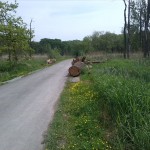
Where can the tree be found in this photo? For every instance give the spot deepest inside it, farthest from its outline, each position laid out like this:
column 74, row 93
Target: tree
column 127, row 33
column 35, row 46
column 125, row 30
column 87, row 44
column 106, row 41
column 30, row 38
column 5, row 23
column 139, row 25
column 13, row 32
column 147, row 16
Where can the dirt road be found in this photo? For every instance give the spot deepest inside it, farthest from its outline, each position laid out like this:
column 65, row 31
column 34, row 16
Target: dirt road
column 27, row 107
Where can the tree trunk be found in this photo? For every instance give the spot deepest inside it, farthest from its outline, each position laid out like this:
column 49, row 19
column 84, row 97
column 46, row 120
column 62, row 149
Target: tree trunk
column 146, row 40
column 30, row 53
column 148, row 18
column 141, row 39
column 125, row 27
column 9, row 55
column 146, row 51
column 129, row 33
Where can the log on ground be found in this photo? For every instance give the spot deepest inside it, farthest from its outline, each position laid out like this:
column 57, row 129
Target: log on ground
column 75, row 70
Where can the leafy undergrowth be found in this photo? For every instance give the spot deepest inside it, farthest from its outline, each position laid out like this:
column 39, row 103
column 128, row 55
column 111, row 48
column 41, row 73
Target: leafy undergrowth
column 108, row 109
column 76, row 123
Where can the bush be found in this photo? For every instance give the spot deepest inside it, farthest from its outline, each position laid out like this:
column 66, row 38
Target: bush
column 54, row 53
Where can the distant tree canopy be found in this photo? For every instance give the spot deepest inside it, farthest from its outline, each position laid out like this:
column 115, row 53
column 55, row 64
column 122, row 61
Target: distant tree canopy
column 107, row 42
column 99, row 41
column 16, row 38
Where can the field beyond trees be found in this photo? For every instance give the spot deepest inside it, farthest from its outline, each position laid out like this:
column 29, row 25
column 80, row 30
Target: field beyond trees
column 107, row 109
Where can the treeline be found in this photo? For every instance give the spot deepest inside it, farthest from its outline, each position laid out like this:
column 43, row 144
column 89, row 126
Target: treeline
column 16, row 38
column 99, row 41
column 135, row 36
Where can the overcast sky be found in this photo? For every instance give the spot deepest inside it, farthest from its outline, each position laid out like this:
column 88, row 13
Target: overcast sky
column 71, row 19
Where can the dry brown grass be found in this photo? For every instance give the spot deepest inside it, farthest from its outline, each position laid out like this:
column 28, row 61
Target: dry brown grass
column 103, row 56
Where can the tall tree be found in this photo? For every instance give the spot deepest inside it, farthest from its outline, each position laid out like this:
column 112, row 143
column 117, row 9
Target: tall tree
column 30, row 38
column 139, row 25
column 6, row 11
column 147, row 16
column 125, row 30
column 129, row 32
column 13, row 31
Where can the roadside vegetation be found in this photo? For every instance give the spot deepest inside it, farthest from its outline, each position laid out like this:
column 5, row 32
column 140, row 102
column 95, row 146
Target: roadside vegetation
column 107, row 109
column 9, row 70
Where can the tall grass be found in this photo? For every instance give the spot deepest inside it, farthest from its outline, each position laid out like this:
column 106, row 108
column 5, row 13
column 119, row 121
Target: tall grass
column 124, row 94
column 9, row 70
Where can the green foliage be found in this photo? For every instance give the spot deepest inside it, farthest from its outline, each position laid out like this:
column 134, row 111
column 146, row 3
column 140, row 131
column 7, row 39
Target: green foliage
column 49, row 47
column 54, row 53
column 14, row 34
column 47, row 44
column 76, row 48
column 36, row 47
column 107, row 42
column 99, row 41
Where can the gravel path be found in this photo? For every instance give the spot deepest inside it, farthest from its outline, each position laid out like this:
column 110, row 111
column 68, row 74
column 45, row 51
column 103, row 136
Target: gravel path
column 27, row 107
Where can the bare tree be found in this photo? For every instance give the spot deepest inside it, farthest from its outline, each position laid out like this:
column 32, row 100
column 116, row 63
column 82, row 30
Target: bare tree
column 147, row 16
column 129, row 33
column 30, row 38
column 140, row 21
column 125, row 30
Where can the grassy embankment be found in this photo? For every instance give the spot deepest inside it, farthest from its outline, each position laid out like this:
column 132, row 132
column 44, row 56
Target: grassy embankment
column 107, row 109
column 9, row 70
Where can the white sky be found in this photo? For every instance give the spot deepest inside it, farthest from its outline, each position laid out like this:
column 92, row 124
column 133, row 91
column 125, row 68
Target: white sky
column 71, row 19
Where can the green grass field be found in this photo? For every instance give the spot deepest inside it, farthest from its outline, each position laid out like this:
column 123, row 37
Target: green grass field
column 108, row 109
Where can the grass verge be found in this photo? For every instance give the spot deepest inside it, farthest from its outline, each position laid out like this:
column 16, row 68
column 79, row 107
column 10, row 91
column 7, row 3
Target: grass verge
column 76, row 123
column 108, row 109
column 9, row 70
